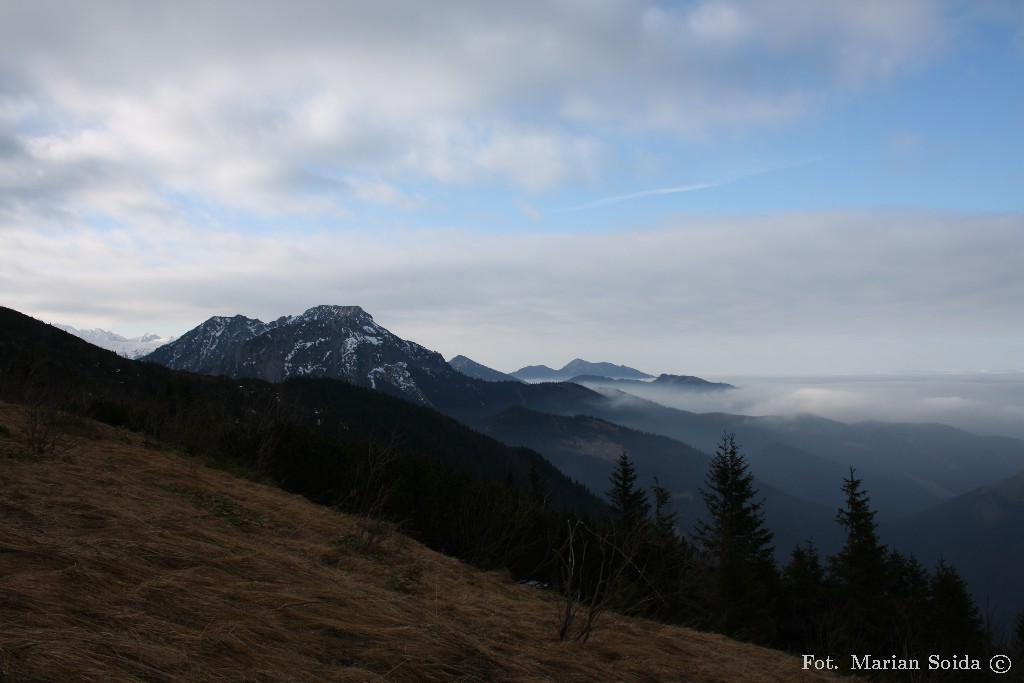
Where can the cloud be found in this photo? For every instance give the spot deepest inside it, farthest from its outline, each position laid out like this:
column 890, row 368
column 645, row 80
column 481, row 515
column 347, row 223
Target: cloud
column 160, row 163
column 791, row 292
column 855, row 43
column 911, row 152
column 985, row 403
column 255, row 107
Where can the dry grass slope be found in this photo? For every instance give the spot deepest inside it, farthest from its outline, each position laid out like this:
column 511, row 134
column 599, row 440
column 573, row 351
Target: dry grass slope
column 121, row 560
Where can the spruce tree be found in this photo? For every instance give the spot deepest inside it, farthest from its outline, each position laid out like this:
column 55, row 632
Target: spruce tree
column 742, row 576
column 1017, row 639
column 667, row 560
column 859, row 572
column 909, row 592
column 615, row 579
column 538, row 489
column 664, row 517
column 802, row 604
column 860, row 565
column 628, row 503
column 953, row 615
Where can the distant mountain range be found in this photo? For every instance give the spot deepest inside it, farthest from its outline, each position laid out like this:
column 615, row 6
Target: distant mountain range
column 575, row 368
column 676, row 382
column 909, row 467
column 129, row 347
column 589, row 374
column 471, row 368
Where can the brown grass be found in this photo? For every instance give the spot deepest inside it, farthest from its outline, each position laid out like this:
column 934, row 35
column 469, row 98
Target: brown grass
column 121, row 560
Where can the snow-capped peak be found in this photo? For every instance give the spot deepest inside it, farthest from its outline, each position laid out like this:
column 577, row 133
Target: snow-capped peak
column 133, row 347
column 340, row 342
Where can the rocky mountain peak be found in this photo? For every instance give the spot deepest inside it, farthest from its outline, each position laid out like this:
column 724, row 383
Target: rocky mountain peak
column 328, row 313
column 338, row 342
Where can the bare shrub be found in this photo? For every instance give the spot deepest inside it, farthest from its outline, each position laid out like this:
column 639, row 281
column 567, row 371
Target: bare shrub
column 372, row 480
column 46, row 429
column 596, row 573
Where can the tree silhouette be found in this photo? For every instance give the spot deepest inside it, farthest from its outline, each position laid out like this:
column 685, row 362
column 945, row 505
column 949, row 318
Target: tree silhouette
column 955, row 618
column 861, row 562
column 628, row 503
column 858, row 571
column 664, row 516
column 803, row 619
column 1017, row 639
column 742, row 577
column 668, row 560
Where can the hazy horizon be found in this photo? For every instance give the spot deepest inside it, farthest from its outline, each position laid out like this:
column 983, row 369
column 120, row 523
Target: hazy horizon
column 982, row 403
column 985, row 403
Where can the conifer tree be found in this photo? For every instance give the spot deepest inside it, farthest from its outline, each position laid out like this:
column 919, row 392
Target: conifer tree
column 628, row 503
column 538, row 489
column 802, row 622
column 1017, row 639
column 668, row 560
column 742, row 576
column 859, row 573
column 953, row 614
column 909, row 592
column 664, row 517
column 860, row 565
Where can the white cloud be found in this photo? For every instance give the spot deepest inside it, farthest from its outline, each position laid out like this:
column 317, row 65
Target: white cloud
column 141, row 143
column 376, row 191
column 793, row 292
column 722, row 23
column 986, row 403
column 233, row 103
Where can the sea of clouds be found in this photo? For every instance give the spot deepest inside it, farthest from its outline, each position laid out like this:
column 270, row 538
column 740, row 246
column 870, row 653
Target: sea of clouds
column 983, row 403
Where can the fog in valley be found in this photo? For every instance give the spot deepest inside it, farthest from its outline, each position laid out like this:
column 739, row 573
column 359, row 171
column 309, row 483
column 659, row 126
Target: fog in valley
column 983, row 403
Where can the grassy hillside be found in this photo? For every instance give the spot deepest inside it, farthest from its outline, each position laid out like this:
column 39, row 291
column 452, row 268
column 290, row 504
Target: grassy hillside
column 123, row 560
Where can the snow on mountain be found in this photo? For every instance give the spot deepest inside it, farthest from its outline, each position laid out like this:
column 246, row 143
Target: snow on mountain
column 206, row 347
column 338, row 342
column 129, row 347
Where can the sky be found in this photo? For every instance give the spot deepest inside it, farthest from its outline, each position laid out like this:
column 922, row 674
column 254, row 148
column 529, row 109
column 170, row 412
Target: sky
column 713, row 187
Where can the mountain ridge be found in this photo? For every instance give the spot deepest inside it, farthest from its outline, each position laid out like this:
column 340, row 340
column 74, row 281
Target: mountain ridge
column 44, row 363
column 575, row 367
column 337, row 342
column 934, row 463
column 471, row 368
column 344, row 343
column 975, row 532
column 664, row 380
column 585, row 448
column 129, row 347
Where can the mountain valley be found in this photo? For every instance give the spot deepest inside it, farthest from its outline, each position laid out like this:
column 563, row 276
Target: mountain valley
column 571, row 434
